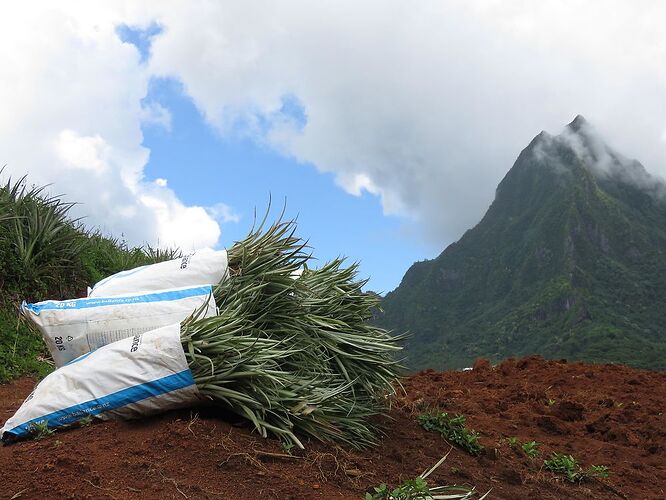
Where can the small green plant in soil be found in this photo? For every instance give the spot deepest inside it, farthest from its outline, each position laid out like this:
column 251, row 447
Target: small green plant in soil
column 40, row 430
column 452, row 428
column 418, row 488
column 569, row 466
column 531, row 448
column 598, row 471
column 512, row 441
column 86, row 421
column 550, row 402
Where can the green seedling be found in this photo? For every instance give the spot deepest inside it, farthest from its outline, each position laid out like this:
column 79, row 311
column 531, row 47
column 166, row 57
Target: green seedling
column 86, row 421
column 550, row 402
column 453, row 429
column 512, row 441
column 40, row 430
column 598, row 471
column 569, row 466
column 531, row 448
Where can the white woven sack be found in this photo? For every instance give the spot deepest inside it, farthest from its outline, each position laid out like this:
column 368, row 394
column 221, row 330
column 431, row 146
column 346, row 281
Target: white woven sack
column 130, row 378
column 202, row 267
column 71, row 328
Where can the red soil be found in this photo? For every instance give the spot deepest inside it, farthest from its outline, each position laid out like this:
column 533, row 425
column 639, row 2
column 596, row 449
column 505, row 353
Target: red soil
column 601, row 414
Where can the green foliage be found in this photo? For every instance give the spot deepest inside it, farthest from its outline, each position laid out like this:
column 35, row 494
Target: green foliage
column 40, row 430
column 453, row 429
column 512, row 441
column 569, row 466
column 412, row 488
column 39, row 244
column 22, row 351
column 45, row 242
column 598, row 471
column 531, row 449
column 564, row 263
column 160, row 254
column 86, row 421
column 417, row 488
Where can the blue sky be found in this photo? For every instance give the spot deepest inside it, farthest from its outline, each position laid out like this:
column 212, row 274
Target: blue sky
column 204, row 168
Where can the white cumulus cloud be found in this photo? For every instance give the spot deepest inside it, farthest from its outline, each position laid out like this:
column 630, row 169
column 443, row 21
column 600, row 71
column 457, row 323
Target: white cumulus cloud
column 86, row 153
column 72, row 115
column 424, row 104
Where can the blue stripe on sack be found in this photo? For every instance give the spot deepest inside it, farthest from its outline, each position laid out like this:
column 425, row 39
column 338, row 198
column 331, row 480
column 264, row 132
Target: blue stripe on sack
column 116, row 301
column 80, row 358
column 113, row 401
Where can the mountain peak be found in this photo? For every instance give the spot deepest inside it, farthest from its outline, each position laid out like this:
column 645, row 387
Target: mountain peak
column 561, row 264
column 578, row 123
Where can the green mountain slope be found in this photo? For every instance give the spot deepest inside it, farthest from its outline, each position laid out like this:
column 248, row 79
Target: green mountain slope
column 569, row 261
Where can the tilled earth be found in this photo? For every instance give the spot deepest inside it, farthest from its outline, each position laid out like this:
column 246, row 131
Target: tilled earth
column 601, row 414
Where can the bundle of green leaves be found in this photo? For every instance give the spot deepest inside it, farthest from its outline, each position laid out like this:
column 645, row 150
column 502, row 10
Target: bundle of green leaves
column 292, row 349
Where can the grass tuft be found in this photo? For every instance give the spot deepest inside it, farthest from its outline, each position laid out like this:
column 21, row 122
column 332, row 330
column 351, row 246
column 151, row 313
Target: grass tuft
column 452, row 428
column 531, row 449
column 418, row 488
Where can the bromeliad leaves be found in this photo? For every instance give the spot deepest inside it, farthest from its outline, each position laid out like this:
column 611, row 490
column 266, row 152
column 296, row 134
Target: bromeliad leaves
column 293, row 355
column 40, row 243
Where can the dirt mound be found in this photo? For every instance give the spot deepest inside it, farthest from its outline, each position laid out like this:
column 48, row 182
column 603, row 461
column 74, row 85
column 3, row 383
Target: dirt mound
column 601, row 414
